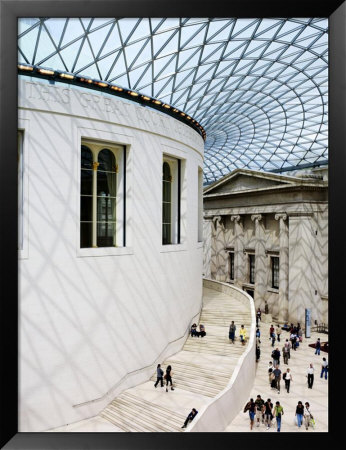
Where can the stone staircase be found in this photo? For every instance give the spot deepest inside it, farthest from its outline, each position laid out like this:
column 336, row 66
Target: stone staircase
column 200, row 371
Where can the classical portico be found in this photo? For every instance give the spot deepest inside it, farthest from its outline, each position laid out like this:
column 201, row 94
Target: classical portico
column 268, row 235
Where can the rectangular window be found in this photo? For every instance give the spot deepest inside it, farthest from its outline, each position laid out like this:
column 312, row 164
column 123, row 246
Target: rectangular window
column 102, row 195
column 171, row 200
column 252, row 269
column 231, row 265
column 275, row 272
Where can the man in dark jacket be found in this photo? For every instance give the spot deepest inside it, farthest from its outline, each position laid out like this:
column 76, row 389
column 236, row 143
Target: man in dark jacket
column 276, row 357
column 190, row 417
column 159, row 375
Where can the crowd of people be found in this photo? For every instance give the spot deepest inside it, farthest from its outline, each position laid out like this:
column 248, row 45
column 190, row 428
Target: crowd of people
column 264, row 411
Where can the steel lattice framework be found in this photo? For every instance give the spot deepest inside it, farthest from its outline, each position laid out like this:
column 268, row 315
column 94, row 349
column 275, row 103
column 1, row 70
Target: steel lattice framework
column 258, row 86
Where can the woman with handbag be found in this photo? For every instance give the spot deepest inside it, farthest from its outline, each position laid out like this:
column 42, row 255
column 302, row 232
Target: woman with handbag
column 168, row 377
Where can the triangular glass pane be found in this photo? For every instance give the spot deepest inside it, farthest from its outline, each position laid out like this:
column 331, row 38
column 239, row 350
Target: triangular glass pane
column 86, row 22
column 135, row 75
column 105, row 64
column 267, row 28
column 187, row 32
column 169, row 23
column 166, row 87
column 69, row 54
column 91, row 72
column 160, row 63
column 73, row 30
column 248, row 27
column 27, row 44
column 188, row 58
column 85, row 57
column 255, row 49
column 119, row 67
column 55, row 63
column 24, row 23
column 142, row 31
column 96, row 38
column 113, row 42
column 235, row 49
column 55, row 28
column 100, row 22
column 132, row 52
column 126, row 27
column 45, row 47
column 215, row 31
column 122, row 81
column 160, row 41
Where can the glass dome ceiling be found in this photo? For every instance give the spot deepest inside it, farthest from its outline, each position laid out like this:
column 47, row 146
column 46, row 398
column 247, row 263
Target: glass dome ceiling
column 259, row 87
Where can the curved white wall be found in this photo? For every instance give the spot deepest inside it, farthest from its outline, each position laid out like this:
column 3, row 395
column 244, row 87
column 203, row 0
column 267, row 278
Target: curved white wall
column 90, row 317
column 222, row 409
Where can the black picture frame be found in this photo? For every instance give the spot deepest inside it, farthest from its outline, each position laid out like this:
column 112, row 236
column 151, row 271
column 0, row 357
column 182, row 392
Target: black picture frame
column 335, row 10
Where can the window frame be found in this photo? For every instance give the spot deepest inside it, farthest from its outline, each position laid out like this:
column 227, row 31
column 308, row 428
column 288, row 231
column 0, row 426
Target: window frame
column 275, row 271
column 119, row 151
column 174, row 164
column 252, row 268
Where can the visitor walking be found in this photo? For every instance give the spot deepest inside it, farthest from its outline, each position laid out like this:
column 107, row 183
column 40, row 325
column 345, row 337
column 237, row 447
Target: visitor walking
column 231, row 333
column 259, row 314
column 293, row 339
column 251, row 407
column 159, row 375
column 242, row 334
column 278, row 332
column 190, row 417
column 259, row 402
column 310, row 375
column 308, row 417
column 168, row 377
column 258, row 353
column 287, row 376
column 273, row 339
column 300, row 414
column 324, row 369
column 285, row 353
column 277, row 375
column 270, row 371
column 318, row 347
column 276, row 357
column 278, row 412
column 268, row 416
column 271, row 331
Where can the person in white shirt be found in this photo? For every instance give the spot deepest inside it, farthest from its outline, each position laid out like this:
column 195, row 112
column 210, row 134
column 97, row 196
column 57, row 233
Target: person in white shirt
column 287, row 376
column 310, row 375
column 308, row 418
column 324, row 368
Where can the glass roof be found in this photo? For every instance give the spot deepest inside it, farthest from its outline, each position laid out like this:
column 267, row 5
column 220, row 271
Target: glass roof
column 259, row 87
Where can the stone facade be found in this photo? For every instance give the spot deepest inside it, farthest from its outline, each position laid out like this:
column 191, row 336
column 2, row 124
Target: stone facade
column 268, row 234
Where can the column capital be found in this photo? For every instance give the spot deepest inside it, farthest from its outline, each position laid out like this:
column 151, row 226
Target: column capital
column 282, row 216
column 256, row 217
column 218, row 219
column 235, row 218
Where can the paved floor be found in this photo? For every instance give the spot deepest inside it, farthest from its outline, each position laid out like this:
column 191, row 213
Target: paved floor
column 298, row 363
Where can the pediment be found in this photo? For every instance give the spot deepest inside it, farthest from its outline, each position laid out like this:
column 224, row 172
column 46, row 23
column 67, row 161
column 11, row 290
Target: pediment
column 239, row 181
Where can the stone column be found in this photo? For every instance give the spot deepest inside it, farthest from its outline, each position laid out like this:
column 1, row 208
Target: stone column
column 239, row 260
column 302, row 262
column 260, row 262
column 218, row 255
column 207, row 246
column 283, row 273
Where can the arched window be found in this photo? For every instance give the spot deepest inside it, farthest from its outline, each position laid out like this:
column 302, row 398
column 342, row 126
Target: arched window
column 106, row 198
column 171, row 173
column 166, row 204
column 101, row 211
